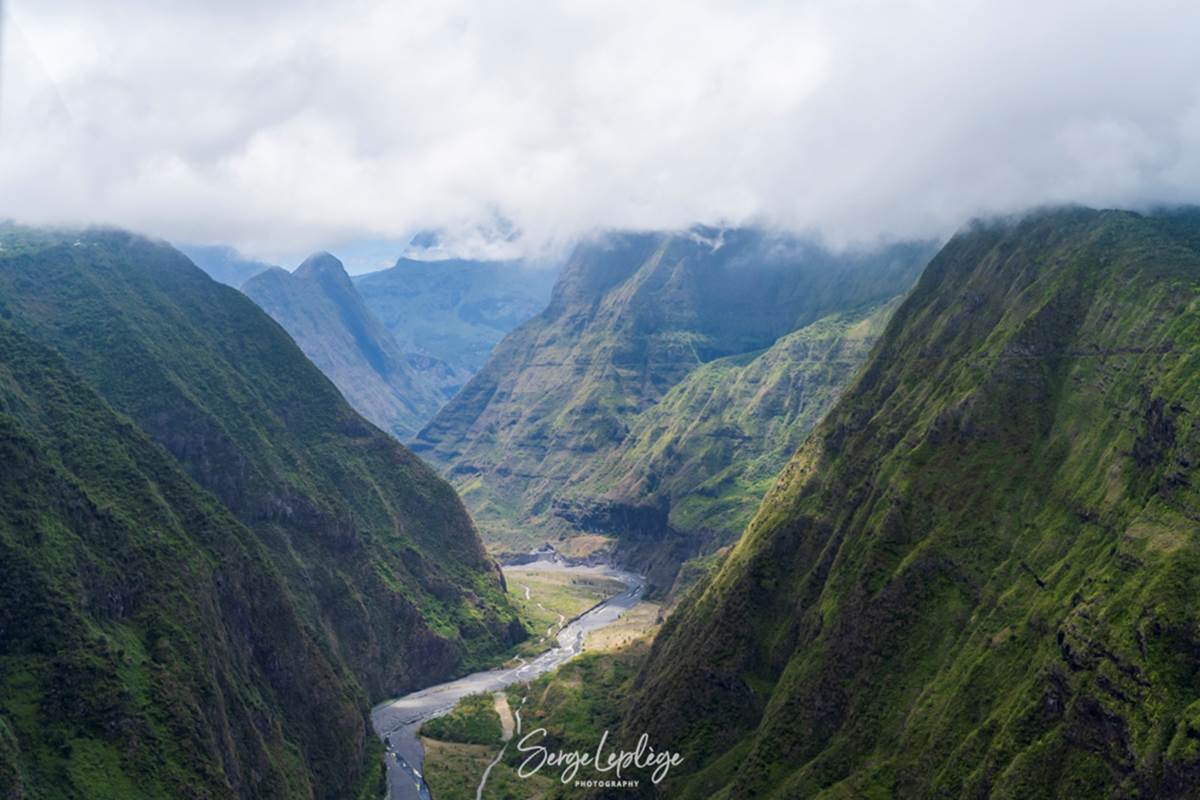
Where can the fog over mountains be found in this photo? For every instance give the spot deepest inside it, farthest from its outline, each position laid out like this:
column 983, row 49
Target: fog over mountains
column 283, row 133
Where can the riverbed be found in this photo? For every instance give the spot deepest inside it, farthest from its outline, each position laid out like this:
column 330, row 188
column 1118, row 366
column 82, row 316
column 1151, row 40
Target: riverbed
column 397, row 721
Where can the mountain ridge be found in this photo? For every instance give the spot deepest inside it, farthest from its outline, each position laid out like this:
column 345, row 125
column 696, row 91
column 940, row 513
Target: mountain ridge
column 631, row 317
column 362, row 547
column 971, row 579
column 320, row 307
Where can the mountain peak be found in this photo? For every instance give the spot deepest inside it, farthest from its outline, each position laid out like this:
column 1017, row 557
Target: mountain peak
column 321, row 263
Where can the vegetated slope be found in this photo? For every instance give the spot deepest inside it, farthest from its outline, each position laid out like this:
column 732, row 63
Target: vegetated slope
column 319, row 306
column 147, row 645
column 632, row 316
column 224, row 264
column 454, row 310
column 379, row 559
column 704, row 456
column 978, row 577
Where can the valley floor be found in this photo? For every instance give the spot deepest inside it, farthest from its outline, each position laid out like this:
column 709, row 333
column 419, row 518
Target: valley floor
column 576, row 605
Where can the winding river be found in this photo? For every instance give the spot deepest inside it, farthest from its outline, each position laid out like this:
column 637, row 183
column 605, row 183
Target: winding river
column 397, row 721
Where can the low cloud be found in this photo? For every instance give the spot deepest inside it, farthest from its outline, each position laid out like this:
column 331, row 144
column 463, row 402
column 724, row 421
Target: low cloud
column 295, row 126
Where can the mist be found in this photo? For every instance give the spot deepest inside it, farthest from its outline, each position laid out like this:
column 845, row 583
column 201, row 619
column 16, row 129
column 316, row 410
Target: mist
column 513, row 129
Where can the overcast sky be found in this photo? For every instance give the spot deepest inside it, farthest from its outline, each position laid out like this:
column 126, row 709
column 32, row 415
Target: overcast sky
column 294, row 126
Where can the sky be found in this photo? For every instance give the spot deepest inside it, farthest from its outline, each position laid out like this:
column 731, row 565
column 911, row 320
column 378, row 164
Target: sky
column 514, row 127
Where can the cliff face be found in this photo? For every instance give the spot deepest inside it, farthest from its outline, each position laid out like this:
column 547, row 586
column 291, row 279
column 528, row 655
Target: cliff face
column 973, row 578
column 359, row 573
column 556, row 416
column 320, row 308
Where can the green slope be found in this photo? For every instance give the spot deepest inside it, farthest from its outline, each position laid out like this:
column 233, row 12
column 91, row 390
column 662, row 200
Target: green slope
column 319, row 306
column 558, row 404
column 143, row 632
column 978, row 577
column 377, row 559
column 705, row 455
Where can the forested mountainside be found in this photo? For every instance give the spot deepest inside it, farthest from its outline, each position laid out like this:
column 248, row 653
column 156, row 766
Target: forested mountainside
column 978, row 577
column 231, row 562
column 569, row 394
column 455, row 310
column 319, row 306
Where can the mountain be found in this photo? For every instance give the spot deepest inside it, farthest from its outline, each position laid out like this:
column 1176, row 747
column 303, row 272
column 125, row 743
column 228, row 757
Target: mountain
column 224, row 264
column 977, row 576
column 700, row 460
column 566, row 398
column 229, row 564
column 454, row 310
column 319, row 306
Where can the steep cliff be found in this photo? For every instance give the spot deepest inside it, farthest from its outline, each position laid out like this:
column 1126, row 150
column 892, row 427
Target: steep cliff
column 366, row 575
column 977, row 577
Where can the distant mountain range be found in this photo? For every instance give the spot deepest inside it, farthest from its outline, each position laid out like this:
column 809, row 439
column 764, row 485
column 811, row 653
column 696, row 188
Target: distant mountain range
column 321, row 309
column 455, row 310
column 398, row 343
column 224, row 264
column 667, row 380
column 210, row 565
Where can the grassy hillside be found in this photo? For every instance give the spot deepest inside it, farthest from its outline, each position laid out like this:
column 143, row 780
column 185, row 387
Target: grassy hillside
column 143, row 631
column 978, row 576
column 373, row 554
column 319, row 306
column 566, row 399
column 707, row 453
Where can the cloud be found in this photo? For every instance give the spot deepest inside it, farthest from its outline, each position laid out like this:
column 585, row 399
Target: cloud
column 282, row 127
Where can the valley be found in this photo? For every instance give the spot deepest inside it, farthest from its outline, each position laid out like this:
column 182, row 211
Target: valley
column 799, row 558
column 646, row 410
column 597, row 596
column 207, row 553
column 599, row 401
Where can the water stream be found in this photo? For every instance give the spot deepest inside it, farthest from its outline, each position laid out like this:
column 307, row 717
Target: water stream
column 397, row 721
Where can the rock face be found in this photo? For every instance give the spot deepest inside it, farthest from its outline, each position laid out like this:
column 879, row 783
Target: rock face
column 319, row 306
column 454, row 310
column 626, row 389
column 211, row 564
column 975, row 577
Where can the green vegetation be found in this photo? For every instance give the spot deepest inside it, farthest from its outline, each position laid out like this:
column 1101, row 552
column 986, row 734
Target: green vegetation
column 209, row 564
column 979, row 575
column 453, row 772
column 624, row 408
column 555, row 596
column 575, row 704
column 711, row 448
column 473, row 721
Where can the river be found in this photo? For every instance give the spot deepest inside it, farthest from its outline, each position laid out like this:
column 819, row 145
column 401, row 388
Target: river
column 397, row 721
